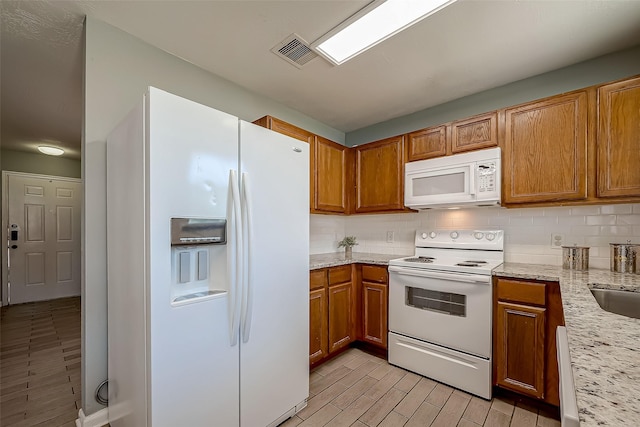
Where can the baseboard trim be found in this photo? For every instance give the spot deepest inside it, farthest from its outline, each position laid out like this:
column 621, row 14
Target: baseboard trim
column 97, row 419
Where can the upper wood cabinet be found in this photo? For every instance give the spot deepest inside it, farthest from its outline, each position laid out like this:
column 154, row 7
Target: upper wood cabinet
column 329, row 167
column 619, row 139
column 285, row 128
column 474, row 133
column 330, row 176
column 427, row 143
column 379, row 176
column 545, row 150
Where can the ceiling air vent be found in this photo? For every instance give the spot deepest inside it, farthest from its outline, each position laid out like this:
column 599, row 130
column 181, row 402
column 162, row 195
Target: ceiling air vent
column 294, row 50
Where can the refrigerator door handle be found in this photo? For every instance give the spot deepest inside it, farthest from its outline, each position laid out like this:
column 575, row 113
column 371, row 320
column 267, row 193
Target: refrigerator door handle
column 235, row 258
column 247, row 291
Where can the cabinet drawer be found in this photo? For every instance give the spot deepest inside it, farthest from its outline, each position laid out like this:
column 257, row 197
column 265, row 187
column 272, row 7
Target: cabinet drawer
column 317, row 278
column 522, row 292
column 339, row 274
column 371, row 273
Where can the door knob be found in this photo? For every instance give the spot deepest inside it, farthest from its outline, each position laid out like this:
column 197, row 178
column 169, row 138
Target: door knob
column 14, row 246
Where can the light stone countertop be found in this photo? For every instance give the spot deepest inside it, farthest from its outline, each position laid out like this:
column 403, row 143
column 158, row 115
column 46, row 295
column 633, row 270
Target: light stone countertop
column 338, row 258
column 604, row 347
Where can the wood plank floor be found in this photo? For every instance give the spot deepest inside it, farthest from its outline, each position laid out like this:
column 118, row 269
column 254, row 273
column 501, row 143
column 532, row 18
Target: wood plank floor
column 357, row 389
column 40, row 383
column 40, row 363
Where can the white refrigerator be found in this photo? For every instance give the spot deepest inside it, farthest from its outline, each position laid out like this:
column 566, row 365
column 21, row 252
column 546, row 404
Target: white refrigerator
column 208, row 254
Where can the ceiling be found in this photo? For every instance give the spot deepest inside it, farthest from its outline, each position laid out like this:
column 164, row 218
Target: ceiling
column 468, row 47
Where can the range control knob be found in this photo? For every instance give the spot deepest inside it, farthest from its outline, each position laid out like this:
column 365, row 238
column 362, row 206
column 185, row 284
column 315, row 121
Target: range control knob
column 423, row 235
column 454, row 234
column 478, row 235
column 433, row 234
column 491, row 236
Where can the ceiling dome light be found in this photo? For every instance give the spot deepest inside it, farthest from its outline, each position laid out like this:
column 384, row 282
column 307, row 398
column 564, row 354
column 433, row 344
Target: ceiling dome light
column 51, row 151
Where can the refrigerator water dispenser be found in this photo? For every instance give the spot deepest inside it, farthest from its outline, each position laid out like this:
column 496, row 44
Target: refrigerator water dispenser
column 197, row 250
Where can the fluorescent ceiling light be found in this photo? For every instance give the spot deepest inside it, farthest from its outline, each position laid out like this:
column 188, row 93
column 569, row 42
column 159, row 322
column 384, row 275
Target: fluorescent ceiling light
column 52, row 151
column 372, row 25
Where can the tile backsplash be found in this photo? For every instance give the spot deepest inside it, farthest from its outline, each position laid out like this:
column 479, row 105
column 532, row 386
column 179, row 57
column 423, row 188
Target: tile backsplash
column 528, row 231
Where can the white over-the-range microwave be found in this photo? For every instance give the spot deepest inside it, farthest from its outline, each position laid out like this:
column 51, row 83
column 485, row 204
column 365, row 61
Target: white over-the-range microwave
column 462, row 180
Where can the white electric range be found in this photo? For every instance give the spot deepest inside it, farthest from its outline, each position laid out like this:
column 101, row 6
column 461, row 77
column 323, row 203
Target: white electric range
column 440, row 307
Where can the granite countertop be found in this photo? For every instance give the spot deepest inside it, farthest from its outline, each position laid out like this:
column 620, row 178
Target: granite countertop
column 338, row 258
column 604, row 347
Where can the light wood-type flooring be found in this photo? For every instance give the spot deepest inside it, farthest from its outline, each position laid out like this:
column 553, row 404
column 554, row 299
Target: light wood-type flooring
column 357, row 389
column 40, row 383
column 40, row 363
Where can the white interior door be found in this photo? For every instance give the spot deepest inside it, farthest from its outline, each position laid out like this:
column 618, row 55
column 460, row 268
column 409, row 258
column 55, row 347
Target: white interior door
column 43, row 224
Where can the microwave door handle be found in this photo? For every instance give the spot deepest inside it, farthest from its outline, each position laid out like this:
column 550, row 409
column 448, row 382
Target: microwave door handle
column 472, row 179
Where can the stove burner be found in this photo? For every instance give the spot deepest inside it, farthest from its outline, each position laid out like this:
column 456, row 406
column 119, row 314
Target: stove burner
column 476, row 262
column 423, row 259
column 468, row 264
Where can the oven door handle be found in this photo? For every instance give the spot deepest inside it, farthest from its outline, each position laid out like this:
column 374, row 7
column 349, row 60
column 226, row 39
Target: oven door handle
column 485, row 280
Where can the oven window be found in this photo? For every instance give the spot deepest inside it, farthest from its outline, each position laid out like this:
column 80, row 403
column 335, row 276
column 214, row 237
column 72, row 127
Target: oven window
column 440, row 302
column 451, row 183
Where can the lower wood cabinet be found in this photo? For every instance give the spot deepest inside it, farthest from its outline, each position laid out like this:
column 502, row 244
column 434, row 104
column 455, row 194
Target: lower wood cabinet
column 375, row 305
column 520, row 340
column 526, row 316
column 341, row 328
column 318, row 327
column 347, row 303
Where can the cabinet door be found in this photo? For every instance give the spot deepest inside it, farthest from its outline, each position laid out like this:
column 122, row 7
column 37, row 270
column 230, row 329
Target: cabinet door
column 374, row 307
column 285, row 128
column 427, row 143
column 618, row 139
column 340, row 316
column 545, row 145
column 380, row 176
column 329, row 161
column 474, row 133
column 519, row 352
column 318, row 341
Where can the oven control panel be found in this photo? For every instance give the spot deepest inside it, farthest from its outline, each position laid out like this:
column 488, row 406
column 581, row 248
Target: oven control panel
column 471, row 239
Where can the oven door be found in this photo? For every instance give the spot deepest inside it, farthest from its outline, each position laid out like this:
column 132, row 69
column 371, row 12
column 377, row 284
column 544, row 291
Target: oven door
column 448, row 309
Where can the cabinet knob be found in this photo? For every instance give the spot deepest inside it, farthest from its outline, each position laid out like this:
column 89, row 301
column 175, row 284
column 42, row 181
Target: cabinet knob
column 454, row 234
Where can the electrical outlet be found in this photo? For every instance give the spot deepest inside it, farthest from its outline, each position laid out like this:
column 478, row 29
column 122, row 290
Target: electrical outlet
column 390, row 236
column 557, row 240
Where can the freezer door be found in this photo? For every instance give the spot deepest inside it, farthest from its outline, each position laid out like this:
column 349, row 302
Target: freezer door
column 194, row 378
column 274, row 373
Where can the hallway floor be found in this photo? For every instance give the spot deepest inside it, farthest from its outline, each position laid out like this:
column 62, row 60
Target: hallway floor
column 40, row 363
column 357, row 389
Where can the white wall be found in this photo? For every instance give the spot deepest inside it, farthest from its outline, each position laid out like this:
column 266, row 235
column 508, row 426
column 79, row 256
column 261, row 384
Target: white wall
column 118, row 70
column 527, row 231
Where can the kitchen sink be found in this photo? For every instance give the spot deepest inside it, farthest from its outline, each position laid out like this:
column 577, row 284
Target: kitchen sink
column 625, row 303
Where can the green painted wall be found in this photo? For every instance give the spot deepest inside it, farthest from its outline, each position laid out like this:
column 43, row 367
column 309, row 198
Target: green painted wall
column 20, row 161
column 118, row 70
column 599, row 70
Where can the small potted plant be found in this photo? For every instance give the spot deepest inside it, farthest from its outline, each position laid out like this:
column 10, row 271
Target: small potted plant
column 348, row 243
